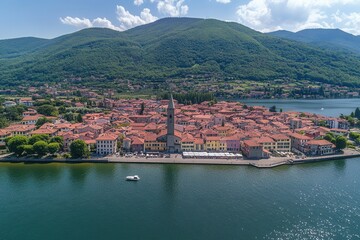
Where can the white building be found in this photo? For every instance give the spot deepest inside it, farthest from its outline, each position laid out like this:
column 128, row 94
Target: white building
column 9, row 104
column 106, row 144
column 28, row 102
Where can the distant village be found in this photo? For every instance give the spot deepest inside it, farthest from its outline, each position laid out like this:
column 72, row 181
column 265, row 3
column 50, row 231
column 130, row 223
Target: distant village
column 155, row 127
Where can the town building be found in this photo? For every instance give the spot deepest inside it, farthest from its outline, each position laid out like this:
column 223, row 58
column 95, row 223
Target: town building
column 106, row 144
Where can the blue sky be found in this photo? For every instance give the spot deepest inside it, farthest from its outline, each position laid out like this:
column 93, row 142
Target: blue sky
column 51, row 18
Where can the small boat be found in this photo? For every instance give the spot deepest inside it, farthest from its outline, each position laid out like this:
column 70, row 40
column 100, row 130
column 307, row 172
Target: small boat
column 322, row 109
column 132, row 178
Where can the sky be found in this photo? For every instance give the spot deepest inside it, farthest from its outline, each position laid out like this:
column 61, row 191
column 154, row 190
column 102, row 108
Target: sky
column 52, row 18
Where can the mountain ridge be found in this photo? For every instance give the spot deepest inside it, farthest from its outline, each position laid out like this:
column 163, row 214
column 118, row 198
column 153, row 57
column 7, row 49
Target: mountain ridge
column 328, row 38
column 176, row 48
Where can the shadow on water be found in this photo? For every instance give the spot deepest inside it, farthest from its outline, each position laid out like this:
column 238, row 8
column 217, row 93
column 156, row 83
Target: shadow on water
column 19, row 173
column 79, row 172
column 170, row 178
column 105, row 169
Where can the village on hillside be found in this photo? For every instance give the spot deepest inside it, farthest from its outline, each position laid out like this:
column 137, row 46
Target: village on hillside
column 207, row 130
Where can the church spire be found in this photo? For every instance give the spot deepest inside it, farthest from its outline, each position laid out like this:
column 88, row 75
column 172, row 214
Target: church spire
column 171, row 102
column 170, row 135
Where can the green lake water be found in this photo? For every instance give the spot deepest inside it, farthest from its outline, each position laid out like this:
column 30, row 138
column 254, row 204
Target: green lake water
column 92, row 201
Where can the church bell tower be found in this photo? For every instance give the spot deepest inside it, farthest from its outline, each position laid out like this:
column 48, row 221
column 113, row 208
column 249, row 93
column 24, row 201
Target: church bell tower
column 170, row 135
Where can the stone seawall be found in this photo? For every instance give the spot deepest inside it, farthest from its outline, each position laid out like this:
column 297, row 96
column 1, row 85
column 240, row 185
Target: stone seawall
column 177, row 159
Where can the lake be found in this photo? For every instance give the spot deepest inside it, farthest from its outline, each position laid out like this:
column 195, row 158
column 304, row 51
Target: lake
column 326, row 107
column 93, row 201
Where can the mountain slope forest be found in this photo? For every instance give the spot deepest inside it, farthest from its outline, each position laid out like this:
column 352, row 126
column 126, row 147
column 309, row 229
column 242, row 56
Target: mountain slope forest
column 173, row 48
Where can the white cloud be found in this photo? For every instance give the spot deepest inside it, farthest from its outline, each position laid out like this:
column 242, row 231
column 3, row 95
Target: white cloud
column 294, row 15
column 173, row 8
column 349, row 22
column 138, row 2
column 223, row 1
column 77, row 22
column 86, row 23
column 128, row 20
column 103, row 22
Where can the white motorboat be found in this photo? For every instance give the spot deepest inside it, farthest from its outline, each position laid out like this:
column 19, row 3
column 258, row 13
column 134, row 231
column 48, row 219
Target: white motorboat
column 132, row 178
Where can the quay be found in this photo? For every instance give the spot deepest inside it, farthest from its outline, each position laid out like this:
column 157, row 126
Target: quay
column 177, row 159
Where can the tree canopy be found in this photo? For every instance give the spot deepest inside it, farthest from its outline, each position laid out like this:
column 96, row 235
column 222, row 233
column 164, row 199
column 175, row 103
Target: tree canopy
column 15, row 142
column 79, row 149
column 40, row 148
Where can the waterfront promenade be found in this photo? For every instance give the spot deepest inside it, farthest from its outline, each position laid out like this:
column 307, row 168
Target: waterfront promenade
column 177, row 159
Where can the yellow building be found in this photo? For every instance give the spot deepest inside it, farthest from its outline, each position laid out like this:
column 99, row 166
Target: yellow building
column 187, row 144
column 267, row 143
column 212, row 143
column 283, row 142
column 154, row 146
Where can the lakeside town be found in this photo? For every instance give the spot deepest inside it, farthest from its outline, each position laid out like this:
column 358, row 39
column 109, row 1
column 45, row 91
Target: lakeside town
column 157, row 128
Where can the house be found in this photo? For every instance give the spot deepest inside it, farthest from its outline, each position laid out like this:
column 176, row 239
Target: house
column 28, row 102
column 51, row 132
column 319, row 148
column 267, row 143
column 252, row 149
column 20, row 129
column 232, row 143
column 3, row 135
column 187, row 143
column 152, row 144
column 298, row 141
column 106, row 143
column 199, row 144
column 137, row 144
column 31, row 119
column 212, row 143
column 283, row 142
column 9, row 104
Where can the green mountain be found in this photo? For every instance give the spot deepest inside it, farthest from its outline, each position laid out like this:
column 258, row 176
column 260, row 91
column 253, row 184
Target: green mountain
column 173, row 48
column 15, row 47
column 329, row 38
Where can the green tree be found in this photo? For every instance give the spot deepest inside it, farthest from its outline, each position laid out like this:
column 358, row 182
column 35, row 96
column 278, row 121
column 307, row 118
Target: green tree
column 38, row 137
column 15, row 142
column 69, row 116
column 330, row 137
column 53, row 148
column 79, row 118
column 62, row 109
column 40, row 148
column 341, row 142
column 59, row 140
column 28, row 149
column 357, row 113
column 3, row 122
column 48, row 110
column 14, row 113
column 142, row 108
column 272, row 109
column 41, row 121
column 79, row 149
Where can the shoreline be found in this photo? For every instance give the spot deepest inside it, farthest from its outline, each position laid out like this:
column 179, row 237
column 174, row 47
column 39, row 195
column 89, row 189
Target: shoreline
column 175, row 159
